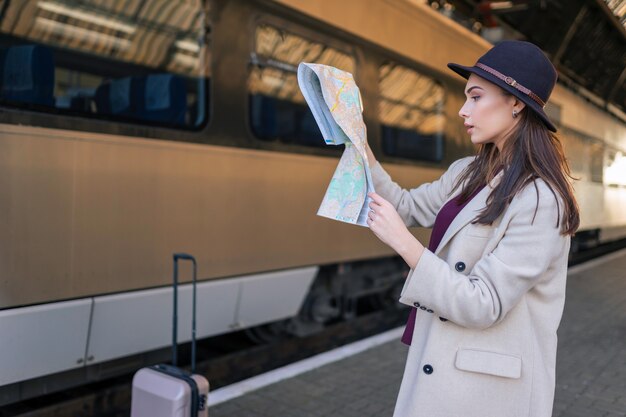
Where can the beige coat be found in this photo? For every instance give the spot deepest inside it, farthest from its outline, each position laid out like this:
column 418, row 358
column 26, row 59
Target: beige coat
column 501, row 289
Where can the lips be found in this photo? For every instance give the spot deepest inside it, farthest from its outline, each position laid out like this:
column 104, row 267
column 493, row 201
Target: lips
column 470, row 128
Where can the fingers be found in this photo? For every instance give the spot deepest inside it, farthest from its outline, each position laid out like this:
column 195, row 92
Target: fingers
column 378, row 199
column 373, row 222
column 377, row 202
column 377, row 205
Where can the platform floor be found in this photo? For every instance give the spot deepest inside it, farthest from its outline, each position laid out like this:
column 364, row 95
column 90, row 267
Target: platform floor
column 591, row 363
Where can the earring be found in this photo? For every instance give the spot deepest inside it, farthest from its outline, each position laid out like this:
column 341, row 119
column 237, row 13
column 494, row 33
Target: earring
column 514, row 114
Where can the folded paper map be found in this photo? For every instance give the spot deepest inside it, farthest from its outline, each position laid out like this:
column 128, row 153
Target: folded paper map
column 335, row 101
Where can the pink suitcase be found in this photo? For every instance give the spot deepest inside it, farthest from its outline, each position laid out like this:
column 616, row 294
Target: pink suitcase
column 166, row 390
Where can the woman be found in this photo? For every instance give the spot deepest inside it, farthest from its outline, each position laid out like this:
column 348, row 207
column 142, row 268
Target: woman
column 488, row 293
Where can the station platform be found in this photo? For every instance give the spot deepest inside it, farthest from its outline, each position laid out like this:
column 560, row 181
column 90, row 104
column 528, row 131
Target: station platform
column 591, row 363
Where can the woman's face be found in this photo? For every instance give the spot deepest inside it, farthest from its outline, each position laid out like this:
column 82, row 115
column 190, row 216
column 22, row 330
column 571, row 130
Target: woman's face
column 488, row 112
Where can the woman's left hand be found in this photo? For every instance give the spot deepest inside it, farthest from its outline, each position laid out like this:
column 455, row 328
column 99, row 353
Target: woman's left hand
column 385, row 222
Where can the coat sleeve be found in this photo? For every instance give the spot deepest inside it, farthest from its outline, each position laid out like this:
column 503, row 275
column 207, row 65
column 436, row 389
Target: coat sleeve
column 530, row 246
column 418, row 206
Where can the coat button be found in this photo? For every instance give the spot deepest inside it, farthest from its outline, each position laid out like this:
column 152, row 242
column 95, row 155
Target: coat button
column 416, row 304
column 460, row 266
column 443, row 319
column 429, row 311
column 428, row 369
column 422, row 308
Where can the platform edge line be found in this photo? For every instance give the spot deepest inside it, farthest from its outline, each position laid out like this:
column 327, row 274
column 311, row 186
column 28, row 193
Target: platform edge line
column 254, row 383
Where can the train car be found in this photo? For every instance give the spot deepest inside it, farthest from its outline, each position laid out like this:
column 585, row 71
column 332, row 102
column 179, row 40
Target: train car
column 130, row 130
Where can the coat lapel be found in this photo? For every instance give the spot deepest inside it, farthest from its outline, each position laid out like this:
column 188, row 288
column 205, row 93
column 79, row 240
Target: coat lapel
column 469, row 212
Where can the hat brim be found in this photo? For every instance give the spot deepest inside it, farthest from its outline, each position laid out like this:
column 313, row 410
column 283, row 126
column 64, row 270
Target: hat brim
column 465, row 72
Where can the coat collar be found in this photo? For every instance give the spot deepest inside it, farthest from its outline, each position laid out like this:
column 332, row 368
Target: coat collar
column 469, row 212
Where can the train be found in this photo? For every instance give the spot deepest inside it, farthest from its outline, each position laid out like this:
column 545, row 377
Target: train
column 131, row 130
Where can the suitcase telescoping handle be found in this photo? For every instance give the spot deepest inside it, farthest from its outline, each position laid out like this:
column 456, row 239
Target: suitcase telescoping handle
column 187, row 257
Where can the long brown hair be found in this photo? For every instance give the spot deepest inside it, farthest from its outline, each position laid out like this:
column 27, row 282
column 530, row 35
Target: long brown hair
column 529, row 153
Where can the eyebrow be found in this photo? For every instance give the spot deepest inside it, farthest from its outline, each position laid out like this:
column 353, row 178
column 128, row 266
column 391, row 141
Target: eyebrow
column 469, row 90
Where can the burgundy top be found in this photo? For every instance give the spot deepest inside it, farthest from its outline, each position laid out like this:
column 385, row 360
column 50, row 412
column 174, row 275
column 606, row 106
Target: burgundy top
column 445, row 216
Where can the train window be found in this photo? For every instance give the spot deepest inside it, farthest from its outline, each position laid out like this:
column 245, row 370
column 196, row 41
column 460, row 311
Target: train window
column 597, row 162
column 135, row 61
column 577, row 150
column 411, row 114
column 615, row 170
column 277, row 108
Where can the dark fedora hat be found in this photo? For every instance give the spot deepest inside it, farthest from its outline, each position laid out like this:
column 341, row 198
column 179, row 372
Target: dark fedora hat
column 521, row 69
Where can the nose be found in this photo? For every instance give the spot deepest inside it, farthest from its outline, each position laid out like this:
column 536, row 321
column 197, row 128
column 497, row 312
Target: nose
column 463, row 112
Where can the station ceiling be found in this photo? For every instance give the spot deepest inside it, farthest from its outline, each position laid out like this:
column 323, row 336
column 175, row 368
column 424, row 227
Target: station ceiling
column 586, row 39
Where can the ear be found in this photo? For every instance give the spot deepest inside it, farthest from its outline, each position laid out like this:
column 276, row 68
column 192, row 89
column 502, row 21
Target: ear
column 518, row 105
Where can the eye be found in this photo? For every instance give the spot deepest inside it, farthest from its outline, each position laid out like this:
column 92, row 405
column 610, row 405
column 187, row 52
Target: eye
column 474, row 98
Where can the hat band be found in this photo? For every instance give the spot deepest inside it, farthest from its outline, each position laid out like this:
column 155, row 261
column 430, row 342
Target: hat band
column 510, row 81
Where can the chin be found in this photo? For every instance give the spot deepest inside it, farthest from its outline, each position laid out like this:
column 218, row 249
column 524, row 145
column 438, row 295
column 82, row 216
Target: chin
column 481, row 139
